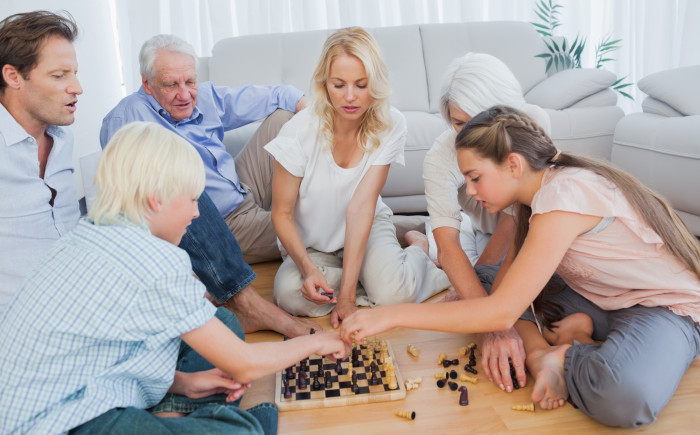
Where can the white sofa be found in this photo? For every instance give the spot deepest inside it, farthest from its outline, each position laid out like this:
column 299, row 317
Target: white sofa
column 661, row 145
column 580, row 102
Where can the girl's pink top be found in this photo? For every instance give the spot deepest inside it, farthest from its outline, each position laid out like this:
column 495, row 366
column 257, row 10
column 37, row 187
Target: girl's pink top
column 624, row 264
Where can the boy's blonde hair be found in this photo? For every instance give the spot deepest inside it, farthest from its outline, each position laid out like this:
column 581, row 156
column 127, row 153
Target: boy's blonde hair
column 142, row 160
column 354, row 41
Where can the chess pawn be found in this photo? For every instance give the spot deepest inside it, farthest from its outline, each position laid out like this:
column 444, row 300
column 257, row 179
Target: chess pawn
column 441, row 358
column 441, row 375
column 466, row 378
column 408, row 415
column 412, row 350
column 524, row 407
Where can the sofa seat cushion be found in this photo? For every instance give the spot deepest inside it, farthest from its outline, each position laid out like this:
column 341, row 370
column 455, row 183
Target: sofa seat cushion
column 662, row 153
column 679, row 88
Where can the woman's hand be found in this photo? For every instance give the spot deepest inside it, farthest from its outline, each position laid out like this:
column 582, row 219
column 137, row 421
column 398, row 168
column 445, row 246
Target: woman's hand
column 207, row 383
column 497, row 348
column 313, row 282
column 343, row 309
column 366, row 323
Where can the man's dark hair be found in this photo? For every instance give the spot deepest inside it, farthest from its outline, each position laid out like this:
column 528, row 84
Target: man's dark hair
column 22, row 35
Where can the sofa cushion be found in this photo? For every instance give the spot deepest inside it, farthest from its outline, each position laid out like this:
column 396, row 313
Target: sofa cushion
column 565, row 88
column 655, row 107
column 446, row 41
column 403, row 54
column 679, row 88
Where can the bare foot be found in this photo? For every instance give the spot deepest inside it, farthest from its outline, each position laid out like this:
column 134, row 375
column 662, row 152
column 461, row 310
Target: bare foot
column 416, row 238
column 547, row 367
column 257, row 314
column 577, row 326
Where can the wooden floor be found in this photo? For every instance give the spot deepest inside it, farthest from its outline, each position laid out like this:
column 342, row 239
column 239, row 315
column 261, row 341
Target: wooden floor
column 437, row 410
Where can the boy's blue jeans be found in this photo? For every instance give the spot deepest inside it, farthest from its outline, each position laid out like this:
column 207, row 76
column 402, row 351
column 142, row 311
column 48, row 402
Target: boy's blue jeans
column 216, row 257
column 210, row 415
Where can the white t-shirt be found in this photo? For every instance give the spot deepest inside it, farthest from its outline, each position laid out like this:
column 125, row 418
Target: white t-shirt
column 444, row 183
column 326, row 188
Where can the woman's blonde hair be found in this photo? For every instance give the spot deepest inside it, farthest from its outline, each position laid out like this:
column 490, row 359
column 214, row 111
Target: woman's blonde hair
column 142, row 160
column 495, row 133
column 354, row 41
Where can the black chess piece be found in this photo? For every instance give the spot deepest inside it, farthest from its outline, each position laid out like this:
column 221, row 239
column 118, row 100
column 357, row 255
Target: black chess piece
column 290, row 373
column 339, row 367
column 463, row 396
column 287, row 391
column 316, row 385
column 302, row 382
column 329, row 381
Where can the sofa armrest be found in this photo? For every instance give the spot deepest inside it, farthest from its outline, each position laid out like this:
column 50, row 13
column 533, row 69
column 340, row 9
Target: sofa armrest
column 678, row 88
column 566, row 88
column 655, row 107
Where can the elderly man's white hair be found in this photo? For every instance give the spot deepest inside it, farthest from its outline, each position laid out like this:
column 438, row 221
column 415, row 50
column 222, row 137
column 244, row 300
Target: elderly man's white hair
column 149, row 52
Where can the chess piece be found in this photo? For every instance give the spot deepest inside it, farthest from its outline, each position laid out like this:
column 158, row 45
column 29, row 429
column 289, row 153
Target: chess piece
column 470, row 369
column 408, row 415
column 463, row 396
column 453, row 374
column 413, row 350
column 441, row 357
column 303, row 366
column 316, row 385
column 375, row 380
column 355, row 388
column 287, row 391
column 320, row 369
column 290, row 373
column 301, row 383
column 329, row 381
column 453, row 385
column 472, row 358
column 466, row 378
column 441, row 375
column 441, row 383
column 338, row 367
column 524, row 407
column 373, row 366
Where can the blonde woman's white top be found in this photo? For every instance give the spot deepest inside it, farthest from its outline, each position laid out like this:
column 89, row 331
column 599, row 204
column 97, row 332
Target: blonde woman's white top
column 326, row 188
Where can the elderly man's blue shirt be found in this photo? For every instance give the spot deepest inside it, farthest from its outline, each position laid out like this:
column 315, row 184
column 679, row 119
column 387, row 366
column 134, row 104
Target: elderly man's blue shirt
column 218, row 109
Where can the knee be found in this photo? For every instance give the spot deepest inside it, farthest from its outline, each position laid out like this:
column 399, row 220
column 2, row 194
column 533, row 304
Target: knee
column 617, row 399
column 390, row 292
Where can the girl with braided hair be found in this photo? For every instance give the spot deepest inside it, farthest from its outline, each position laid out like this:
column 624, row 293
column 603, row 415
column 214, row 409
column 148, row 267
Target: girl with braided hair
column 629, row 263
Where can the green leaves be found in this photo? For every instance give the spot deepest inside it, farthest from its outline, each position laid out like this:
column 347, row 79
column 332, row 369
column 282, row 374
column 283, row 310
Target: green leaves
column 548, row 12
column 563, row 55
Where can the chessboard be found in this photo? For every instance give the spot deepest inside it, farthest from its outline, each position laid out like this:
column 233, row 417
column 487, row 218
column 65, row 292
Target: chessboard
column 341, row 392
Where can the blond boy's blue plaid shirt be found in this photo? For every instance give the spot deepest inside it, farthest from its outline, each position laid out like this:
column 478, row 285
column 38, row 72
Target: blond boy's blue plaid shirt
column 96, row 326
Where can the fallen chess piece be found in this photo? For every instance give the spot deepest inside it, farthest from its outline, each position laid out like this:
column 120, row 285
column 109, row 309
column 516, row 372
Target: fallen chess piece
column 441, row 358
column 413, row 350
column 466, row 378
column 408, row 415
column 441, row 375
column 524, row 407
column 412, row 384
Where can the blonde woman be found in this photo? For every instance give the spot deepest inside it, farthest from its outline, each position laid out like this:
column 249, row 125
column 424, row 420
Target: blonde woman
column 630, row 264
column 92, row 340
column 332, row 160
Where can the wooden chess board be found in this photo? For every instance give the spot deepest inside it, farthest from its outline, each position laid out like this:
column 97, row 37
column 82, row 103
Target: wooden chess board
column 340, row 393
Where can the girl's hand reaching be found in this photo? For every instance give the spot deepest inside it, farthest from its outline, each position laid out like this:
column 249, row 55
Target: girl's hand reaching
column 366, row 323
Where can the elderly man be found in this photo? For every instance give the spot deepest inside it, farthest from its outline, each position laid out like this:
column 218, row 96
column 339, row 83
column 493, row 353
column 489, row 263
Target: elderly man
column 237, row 195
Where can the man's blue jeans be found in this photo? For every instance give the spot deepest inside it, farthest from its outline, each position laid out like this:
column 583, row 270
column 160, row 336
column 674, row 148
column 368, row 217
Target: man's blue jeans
column 214, row 252
column 210, row 415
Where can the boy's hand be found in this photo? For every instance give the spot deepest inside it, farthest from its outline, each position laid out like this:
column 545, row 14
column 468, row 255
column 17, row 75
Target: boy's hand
column 207, row 383
column 332, row 346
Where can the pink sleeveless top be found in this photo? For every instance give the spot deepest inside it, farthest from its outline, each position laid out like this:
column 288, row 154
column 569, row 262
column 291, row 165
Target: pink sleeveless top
column 624, row 264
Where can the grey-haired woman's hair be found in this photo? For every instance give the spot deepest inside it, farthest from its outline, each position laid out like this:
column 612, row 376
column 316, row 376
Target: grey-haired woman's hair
column 477, row 81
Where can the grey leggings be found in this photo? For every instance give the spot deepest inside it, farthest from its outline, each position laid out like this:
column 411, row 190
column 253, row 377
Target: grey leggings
column 630, row 376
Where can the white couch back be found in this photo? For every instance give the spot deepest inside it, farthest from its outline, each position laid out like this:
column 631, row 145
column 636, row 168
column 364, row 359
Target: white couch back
column 416, row 55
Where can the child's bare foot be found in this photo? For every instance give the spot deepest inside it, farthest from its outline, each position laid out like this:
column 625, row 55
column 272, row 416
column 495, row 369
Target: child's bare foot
column 547, row 367
column 416, row 238
column 577, row 326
